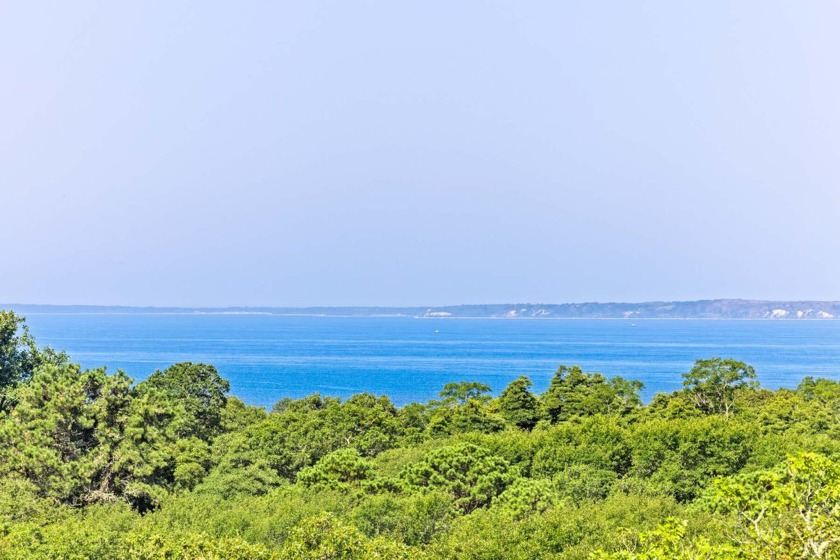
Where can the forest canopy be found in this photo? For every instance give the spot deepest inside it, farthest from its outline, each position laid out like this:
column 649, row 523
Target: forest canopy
column 94, row 464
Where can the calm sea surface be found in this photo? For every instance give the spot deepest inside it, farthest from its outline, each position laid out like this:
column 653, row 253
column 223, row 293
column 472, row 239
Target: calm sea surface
column 269, row 357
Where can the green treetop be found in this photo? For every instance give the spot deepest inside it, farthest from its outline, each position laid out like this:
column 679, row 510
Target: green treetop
column 518, row 405
column 713, row 384
column 573, row 392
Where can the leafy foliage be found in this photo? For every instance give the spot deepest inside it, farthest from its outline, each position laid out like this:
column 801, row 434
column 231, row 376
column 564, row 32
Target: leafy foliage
column 470, row 474
column 197, row 392
column 337, row 470
column 713, row 384
column 518, row 405
column 573, row 392
column 20, row 356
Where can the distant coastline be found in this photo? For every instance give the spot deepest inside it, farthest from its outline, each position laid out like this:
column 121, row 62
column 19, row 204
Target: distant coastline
column 700, row 309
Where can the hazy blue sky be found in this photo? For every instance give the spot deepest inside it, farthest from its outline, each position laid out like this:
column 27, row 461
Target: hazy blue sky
column 434, row 152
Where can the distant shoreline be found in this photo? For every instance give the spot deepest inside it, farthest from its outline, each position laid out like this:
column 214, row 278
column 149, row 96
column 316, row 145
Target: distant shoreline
column 728, row 309
column 461, row 318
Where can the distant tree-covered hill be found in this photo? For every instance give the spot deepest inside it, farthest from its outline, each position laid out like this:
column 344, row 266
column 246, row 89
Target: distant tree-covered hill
column 702, row 309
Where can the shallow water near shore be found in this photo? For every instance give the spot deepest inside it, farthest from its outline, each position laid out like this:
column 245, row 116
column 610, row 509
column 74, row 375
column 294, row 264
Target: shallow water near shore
column 267, row 357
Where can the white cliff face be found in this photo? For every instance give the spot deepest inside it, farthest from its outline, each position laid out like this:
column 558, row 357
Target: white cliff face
column 527, row 312
column 809, row 313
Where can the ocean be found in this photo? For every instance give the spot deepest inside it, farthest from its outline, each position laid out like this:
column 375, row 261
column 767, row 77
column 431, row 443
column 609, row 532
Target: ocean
column 268, row 357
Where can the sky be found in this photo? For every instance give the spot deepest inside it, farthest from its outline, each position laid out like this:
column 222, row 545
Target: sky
column 418, row 153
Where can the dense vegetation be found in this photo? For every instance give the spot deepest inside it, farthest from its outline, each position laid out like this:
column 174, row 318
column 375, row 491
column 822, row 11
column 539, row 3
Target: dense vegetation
column 94, row 465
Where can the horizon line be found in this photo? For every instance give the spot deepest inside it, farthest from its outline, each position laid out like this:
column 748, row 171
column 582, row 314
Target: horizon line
column 422, row 306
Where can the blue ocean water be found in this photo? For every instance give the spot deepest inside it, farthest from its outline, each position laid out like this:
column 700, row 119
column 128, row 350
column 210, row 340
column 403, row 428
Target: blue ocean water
column 267, row 357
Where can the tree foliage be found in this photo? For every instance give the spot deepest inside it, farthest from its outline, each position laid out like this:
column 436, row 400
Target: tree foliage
column 470, row 474
column 518, row 405
column 714, row 384
column 196, row 393
column 573, row 392
column 20, row 356
column 337, row 469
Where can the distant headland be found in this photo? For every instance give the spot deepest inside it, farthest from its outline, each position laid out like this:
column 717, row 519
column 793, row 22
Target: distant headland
column 701, row 309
